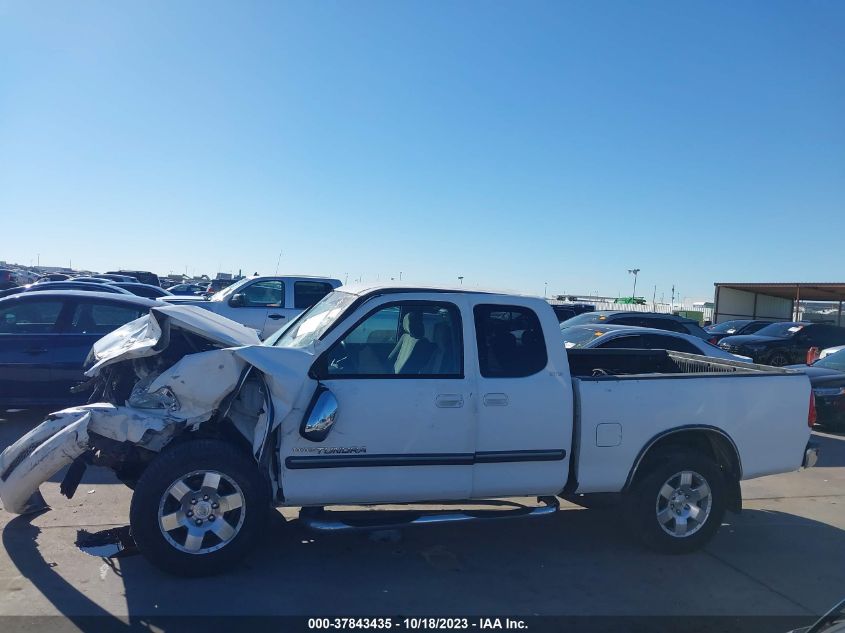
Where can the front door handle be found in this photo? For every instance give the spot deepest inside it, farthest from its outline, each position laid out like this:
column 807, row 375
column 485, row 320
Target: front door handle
column 495, row 399
column 276, row 317
column 449, row 401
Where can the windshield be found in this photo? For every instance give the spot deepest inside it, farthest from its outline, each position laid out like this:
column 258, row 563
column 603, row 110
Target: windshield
column 585, row 317
column 580, row 335
column 229, row 290
column 832, row 361
column 728, row 327
column 780, row 330
column 312, row 323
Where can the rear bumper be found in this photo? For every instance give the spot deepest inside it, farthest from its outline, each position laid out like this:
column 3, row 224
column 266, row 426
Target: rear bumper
column 811, row 455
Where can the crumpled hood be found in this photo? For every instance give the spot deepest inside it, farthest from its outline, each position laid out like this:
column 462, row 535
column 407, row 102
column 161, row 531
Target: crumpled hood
column 143, row 336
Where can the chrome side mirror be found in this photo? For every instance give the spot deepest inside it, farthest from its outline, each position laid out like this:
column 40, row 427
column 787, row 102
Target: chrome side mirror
column 238, row 299
column 320, row 416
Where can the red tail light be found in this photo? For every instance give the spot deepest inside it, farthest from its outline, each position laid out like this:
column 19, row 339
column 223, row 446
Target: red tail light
column 811, row 415
column 813, row 355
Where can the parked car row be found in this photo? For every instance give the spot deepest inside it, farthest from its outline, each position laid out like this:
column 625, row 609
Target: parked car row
column 47, row 329
column 784, row 343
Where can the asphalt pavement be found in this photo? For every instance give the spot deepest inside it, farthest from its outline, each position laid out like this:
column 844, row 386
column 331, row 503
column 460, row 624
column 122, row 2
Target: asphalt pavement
column 783, row 556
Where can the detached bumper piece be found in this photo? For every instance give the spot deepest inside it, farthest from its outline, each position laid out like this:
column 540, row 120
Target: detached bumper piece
column 811, row 455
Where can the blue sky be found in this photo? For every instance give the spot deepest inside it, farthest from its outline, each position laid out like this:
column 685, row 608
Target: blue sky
column 513, row 143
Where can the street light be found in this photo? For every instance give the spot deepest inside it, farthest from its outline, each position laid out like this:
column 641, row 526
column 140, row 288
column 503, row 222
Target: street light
column 634, row 272
column 545, row 288
column 461, row 279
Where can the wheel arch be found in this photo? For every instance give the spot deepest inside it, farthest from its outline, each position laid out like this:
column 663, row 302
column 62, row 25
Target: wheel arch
column 710, row 440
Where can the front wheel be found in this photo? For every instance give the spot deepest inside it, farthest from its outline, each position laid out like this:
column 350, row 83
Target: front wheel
column 678, row 506
column 198, row 508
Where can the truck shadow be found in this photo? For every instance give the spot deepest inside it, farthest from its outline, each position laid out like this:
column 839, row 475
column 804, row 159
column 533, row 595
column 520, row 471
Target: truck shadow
column 574, row 563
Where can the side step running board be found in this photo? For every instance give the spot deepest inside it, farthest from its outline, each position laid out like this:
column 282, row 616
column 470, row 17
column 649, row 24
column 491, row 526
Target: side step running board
column 320, row 520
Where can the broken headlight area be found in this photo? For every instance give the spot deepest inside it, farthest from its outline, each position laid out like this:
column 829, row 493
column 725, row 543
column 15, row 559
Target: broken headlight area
column 162, row 398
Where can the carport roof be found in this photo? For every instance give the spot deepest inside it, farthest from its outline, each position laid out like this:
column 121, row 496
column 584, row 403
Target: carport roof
column 806, row 291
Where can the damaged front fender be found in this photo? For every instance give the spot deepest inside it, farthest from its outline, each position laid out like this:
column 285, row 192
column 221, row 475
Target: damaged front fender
column 66, row 435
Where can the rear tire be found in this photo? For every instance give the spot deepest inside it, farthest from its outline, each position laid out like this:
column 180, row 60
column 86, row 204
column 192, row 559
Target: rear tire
column 198, row 508
column 678, row 505
column 778, row 359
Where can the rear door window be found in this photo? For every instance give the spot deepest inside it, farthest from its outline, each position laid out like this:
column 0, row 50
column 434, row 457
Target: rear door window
column 101, row 318
column 510, row 341
column 629, row 341
column 307, row 293
column 673, row 343
column 30, row 317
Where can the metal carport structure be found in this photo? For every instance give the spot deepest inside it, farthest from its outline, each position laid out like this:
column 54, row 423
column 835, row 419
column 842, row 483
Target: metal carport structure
column 773, row 301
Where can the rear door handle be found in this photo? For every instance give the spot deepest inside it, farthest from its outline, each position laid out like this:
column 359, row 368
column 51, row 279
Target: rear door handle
column 495, row 399
column 449, row 401
column 276, row 317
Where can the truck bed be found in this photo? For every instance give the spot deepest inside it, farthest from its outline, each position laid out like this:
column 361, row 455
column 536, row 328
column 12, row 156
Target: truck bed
column 625, row 399
column 613, row 364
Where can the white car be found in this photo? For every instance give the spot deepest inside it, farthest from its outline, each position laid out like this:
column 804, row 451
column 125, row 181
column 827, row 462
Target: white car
column 264, row 303
column 630, row 337
column 386, row 395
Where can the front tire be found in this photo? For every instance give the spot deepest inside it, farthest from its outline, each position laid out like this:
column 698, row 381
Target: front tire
column 198, row 508
column 679, row 504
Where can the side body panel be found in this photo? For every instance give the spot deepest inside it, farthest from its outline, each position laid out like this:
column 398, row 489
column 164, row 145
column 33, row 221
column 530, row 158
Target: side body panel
column 764, row 415
column 525, row 423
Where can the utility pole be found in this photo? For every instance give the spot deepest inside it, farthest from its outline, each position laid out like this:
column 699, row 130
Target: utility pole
column 400, row 275
column 545, row 288
column 634, row 272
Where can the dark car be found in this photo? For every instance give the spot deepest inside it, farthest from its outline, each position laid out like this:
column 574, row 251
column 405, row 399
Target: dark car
column 566, row 311
column 143, row 276
column 784, row 343
column 85, row 286
column 91, row 279
column 126, row 279
column 45, row 338
column 735, row 327
column 827, row 376
column 8, row 279
column 187, row 289
column 217, row 285
column 144, row 290
column 656, row 320
column 52, row 277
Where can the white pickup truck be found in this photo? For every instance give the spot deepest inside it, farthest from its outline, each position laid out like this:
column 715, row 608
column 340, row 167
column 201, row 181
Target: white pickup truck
column 264, row 303
column 385, row 395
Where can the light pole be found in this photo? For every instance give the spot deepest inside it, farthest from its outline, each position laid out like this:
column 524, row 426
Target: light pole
column 461, row 279
column 634, row 272
column 545, row 288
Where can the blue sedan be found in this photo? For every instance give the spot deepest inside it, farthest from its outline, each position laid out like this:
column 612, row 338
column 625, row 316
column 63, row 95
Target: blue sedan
column 45, row 338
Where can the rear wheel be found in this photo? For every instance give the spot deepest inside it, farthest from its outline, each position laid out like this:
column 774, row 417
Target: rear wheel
column 679, row 504
column 198, row 508
column 778, row 359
